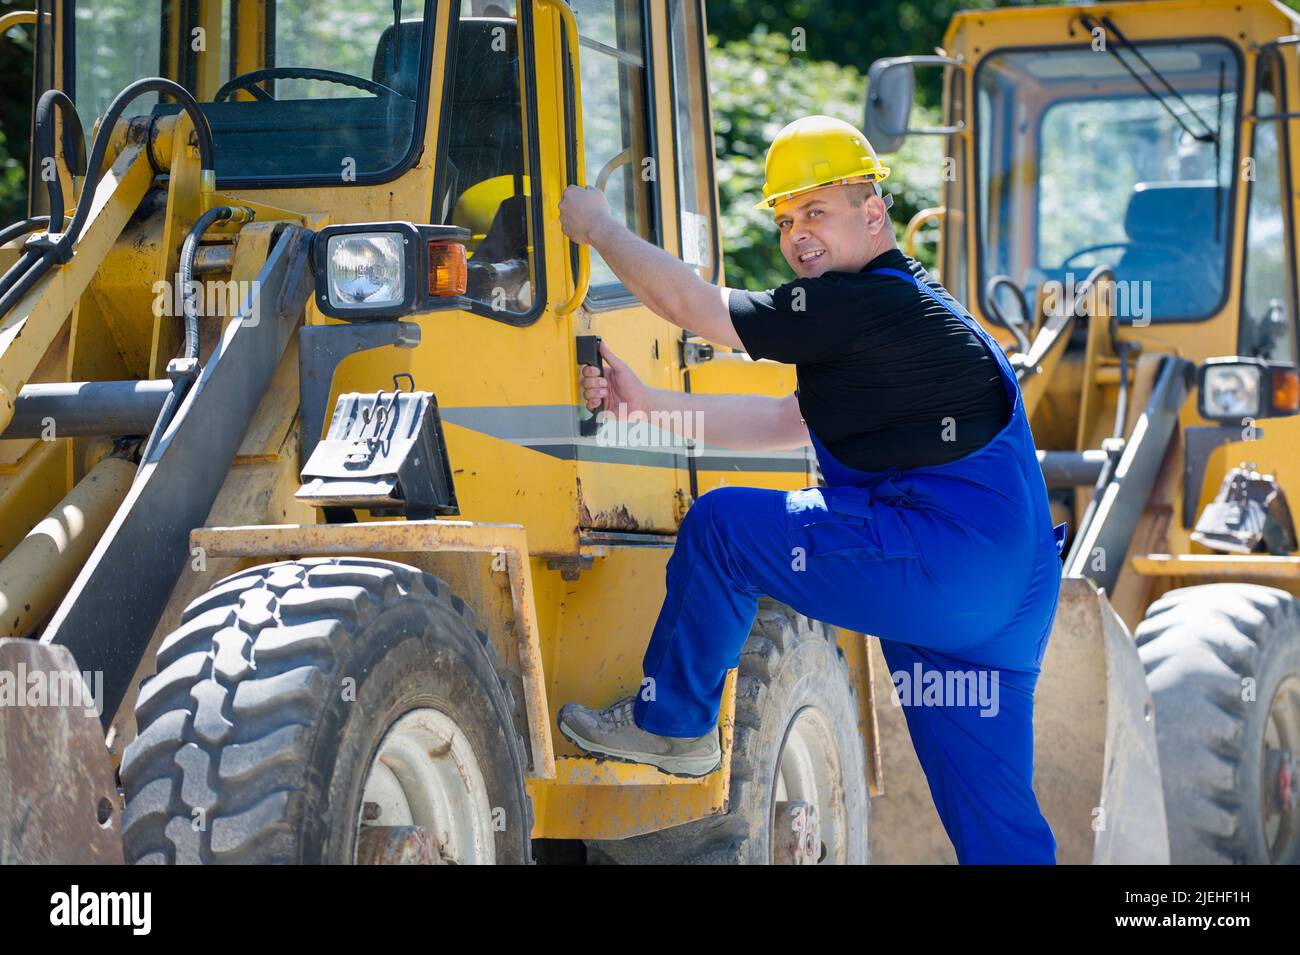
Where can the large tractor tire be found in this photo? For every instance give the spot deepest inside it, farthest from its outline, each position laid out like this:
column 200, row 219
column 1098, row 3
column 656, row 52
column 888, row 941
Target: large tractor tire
column 1223, row 665
column 798, row 767
column 331, row 710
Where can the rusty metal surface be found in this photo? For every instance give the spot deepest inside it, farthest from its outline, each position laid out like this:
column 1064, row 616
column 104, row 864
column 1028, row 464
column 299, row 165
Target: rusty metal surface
column 397, row 845
column 507, row 542
column 796, row 834
column 58, row 794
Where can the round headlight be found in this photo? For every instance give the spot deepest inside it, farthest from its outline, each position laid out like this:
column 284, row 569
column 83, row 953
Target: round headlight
column 1232, row 391
column 366, row 270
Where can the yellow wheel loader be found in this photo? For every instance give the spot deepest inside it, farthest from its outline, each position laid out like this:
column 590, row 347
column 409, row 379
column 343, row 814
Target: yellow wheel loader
column 305, row 533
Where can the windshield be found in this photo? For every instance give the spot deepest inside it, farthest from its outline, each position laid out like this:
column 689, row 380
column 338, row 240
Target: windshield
column 1080, row 165
column 293, row 89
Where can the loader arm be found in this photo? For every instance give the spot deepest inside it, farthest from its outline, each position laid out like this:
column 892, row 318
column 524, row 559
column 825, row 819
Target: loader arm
column 179, row 480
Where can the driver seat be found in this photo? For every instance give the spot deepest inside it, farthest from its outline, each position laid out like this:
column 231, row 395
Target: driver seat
column 485, row 138
column 1171, row 226
column 397, row 57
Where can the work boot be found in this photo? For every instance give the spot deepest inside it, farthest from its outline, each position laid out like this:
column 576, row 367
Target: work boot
column 611, row 733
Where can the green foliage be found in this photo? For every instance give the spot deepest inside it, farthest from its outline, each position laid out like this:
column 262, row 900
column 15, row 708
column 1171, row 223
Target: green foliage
column 16, row 58
column 759, row 85
column 848, row 32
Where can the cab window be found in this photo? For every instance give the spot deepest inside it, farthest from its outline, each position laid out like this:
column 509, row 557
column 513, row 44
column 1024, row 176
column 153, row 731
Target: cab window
column 616, row 122
column 1082, row 165
column 695, row 186
column 483, row 171
column 295, row 90
column 1268, row 310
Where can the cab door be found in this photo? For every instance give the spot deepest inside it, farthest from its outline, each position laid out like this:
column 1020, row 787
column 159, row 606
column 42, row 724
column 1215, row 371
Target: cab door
column 1268, row 326
column 630, row 470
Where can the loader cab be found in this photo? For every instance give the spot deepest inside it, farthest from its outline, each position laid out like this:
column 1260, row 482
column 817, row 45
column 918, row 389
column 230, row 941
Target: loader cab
column 302, row 97
column 1138, row 140
column 475, row 113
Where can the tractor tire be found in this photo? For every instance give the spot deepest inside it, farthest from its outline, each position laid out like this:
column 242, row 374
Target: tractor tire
column 1223, row 665
column 796, row 744
column 261, row 735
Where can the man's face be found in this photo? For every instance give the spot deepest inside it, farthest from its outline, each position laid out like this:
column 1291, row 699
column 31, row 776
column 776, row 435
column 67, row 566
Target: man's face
column 822, row 231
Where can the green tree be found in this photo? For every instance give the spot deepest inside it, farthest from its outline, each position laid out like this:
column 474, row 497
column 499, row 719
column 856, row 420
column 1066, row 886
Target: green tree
column 16, row 59
column 792, row 85
column 848, row 32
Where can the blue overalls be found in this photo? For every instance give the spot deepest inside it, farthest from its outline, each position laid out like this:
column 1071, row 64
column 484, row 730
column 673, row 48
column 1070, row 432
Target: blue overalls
column 955, row 568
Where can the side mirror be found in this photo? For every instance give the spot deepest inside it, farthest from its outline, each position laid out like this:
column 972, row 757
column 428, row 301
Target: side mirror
column 891, row 89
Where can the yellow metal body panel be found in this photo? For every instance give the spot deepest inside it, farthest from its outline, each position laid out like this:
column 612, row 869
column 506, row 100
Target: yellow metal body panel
column 1274, row 571
column 31, row 326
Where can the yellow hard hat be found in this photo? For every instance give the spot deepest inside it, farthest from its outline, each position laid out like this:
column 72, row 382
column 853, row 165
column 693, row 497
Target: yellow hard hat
column 478, row 204
column 817, row 151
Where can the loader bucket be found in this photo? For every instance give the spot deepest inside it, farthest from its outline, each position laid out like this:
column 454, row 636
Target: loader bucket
column 1096, row 770
column 58, row 795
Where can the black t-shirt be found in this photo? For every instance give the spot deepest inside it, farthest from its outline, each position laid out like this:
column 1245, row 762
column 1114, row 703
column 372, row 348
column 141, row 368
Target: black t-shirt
column 887, row 376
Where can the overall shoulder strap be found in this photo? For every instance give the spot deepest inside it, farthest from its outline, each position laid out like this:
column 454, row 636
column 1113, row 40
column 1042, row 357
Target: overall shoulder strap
column 999, row 356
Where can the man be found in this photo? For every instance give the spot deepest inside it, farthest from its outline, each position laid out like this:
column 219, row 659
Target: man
column 933, row 532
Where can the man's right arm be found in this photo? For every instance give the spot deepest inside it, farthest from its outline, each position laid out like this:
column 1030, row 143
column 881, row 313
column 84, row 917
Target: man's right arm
column 667, row 285
column 739, row 422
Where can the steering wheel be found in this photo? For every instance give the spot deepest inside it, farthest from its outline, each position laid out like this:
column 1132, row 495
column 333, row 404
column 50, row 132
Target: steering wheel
column 246, row 80
column 1094, row 248
column 616, row 162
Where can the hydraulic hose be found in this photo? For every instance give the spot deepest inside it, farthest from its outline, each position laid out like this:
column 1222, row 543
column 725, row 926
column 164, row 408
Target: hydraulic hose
column 44, row 134
column 181, row 385
column 188, row 248
column 22, row 227
column 29, row 272
column 50, row 101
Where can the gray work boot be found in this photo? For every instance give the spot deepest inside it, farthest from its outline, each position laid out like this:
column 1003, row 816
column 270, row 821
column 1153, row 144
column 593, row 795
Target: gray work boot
column 611, row 733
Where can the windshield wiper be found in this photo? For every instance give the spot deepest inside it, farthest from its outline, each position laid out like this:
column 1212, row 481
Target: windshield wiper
column 1209, row 136
column 397, row 35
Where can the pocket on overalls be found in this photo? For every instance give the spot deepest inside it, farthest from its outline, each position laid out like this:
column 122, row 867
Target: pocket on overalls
column 847, row 522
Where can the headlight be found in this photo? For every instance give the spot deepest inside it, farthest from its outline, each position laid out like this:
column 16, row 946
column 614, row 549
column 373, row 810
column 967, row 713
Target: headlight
column 1232, row 389
column 366, row 269
column 388, row 269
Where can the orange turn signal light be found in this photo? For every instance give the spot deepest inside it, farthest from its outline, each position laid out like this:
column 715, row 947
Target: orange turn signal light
column 447, row 268
column 1286, row 390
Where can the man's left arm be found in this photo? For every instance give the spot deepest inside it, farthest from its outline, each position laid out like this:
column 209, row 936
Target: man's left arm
column 663, row 282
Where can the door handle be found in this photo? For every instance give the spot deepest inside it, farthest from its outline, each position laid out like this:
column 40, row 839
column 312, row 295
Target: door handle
column 578, row 171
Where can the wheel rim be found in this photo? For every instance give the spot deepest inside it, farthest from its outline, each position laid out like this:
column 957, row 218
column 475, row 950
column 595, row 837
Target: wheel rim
column 809, row 771
column 426, row 775
column 1279, row 784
